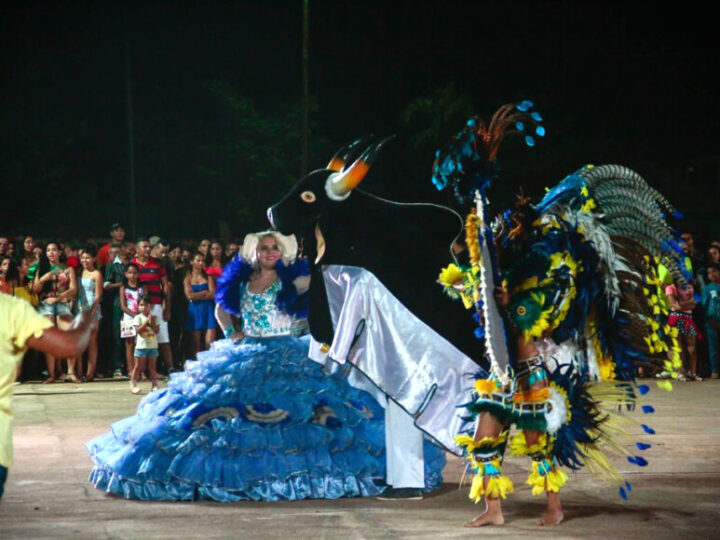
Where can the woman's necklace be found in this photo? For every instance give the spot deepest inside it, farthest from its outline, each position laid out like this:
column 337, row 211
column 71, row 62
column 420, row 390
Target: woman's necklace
column 260, row 285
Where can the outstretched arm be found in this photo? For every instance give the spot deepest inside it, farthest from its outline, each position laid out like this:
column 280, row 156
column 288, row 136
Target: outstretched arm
column 65, row 343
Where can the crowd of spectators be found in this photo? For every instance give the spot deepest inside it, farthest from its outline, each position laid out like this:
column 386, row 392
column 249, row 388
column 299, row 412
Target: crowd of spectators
column 694, row 309
column 178, row 281
column 63, row 278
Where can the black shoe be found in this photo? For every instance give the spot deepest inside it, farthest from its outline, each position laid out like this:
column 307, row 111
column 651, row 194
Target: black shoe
column 401, row 494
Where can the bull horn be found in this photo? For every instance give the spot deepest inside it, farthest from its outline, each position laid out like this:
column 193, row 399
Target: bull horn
column 340, row 185
column 342, row 156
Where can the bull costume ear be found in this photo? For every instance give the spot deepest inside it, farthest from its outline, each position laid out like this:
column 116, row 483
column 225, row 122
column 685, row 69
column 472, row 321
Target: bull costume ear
column 340, row 184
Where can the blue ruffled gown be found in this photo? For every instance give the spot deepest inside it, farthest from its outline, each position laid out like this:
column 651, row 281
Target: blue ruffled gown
column 257, row 420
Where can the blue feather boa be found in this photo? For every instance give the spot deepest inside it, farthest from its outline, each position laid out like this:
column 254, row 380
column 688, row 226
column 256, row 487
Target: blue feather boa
column 228, row 290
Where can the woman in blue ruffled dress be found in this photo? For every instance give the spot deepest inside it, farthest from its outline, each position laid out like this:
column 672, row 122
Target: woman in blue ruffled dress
column 253, row 418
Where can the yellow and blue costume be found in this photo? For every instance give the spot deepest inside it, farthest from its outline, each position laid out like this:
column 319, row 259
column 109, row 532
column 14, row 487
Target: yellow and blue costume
column 580, row 271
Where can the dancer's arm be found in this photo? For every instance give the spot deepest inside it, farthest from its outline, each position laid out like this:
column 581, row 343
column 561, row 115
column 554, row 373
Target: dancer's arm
column 65, row 343
column 226, row 323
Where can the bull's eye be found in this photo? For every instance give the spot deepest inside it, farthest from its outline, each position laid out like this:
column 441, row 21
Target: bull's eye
column 307, row 196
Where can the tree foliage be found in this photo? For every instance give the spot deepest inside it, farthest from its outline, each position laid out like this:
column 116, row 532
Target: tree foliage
column 251, row 157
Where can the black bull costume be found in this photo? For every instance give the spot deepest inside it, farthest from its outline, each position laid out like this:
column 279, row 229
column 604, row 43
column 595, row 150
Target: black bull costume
column 399, row 247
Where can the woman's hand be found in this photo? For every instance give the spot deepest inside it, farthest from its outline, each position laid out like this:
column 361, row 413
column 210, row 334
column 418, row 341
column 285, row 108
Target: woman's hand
column 50, row 300
column 237, row 336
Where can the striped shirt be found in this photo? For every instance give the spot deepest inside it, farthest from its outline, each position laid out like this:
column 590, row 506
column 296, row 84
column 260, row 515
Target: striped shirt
column 151, row 274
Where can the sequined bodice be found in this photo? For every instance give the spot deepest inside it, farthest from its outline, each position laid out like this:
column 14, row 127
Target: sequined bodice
column 261, row 316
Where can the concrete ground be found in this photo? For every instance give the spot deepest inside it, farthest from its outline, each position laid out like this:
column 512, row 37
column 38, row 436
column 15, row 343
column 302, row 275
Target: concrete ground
column 47, row 494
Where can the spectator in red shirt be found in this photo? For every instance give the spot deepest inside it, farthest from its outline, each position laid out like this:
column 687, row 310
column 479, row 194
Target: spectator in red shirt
column 153, row 279
column 160, row 251
column 215, row 259
column 117, row 233
column 72, row 255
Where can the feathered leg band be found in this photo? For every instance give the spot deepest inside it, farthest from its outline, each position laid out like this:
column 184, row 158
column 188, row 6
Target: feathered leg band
column 545, row 475
column 485, row 457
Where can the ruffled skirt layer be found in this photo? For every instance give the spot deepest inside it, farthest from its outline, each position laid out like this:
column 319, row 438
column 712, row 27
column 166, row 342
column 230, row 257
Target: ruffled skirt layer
column 255, row 421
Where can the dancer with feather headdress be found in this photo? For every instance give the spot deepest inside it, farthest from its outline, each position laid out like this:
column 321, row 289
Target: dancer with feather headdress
column 565, row 293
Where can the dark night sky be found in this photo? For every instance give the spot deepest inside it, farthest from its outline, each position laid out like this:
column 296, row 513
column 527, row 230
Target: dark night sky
column 625, row 82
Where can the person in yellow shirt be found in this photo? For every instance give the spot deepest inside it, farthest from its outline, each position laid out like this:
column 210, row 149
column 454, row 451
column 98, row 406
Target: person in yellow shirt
column 21, row 328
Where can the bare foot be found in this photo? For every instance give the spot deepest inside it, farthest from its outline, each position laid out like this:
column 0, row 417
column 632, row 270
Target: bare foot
column 49, row 380
column 72, row 378
column 489, row 517
column 551, row 517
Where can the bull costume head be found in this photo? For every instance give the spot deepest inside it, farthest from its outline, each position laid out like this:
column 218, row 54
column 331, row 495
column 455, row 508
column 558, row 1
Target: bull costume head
column 402, row 244
column 315, row 196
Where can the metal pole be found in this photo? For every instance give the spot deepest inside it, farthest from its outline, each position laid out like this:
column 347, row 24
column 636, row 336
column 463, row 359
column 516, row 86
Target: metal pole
column 305, row 96
column 131, row 137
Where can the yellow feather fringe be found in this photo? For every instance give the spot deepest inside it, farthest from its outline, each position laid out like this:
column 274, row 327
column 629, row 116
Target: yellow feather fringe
column 538, row 329
column 472, row 223
column 486, row 386
column 532, row 396
column 599, row 465
column 451, row 275
column 552, row 481
column 519, row 446
column 606, row 366
column 612, row 435
column 470, row 444
column 497, row 486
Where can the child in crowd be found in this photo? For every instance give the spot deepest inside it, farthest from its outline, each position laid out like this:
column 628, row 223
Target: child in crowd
column 146, row 346
column 711, row 305
column 90, row 291
column 130, row 294
column 681, row 297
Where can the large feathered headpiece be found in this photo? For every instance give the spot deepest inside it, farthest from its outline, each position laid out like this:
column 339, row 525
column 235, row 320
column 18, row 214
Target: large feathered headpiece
column 468, row 162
